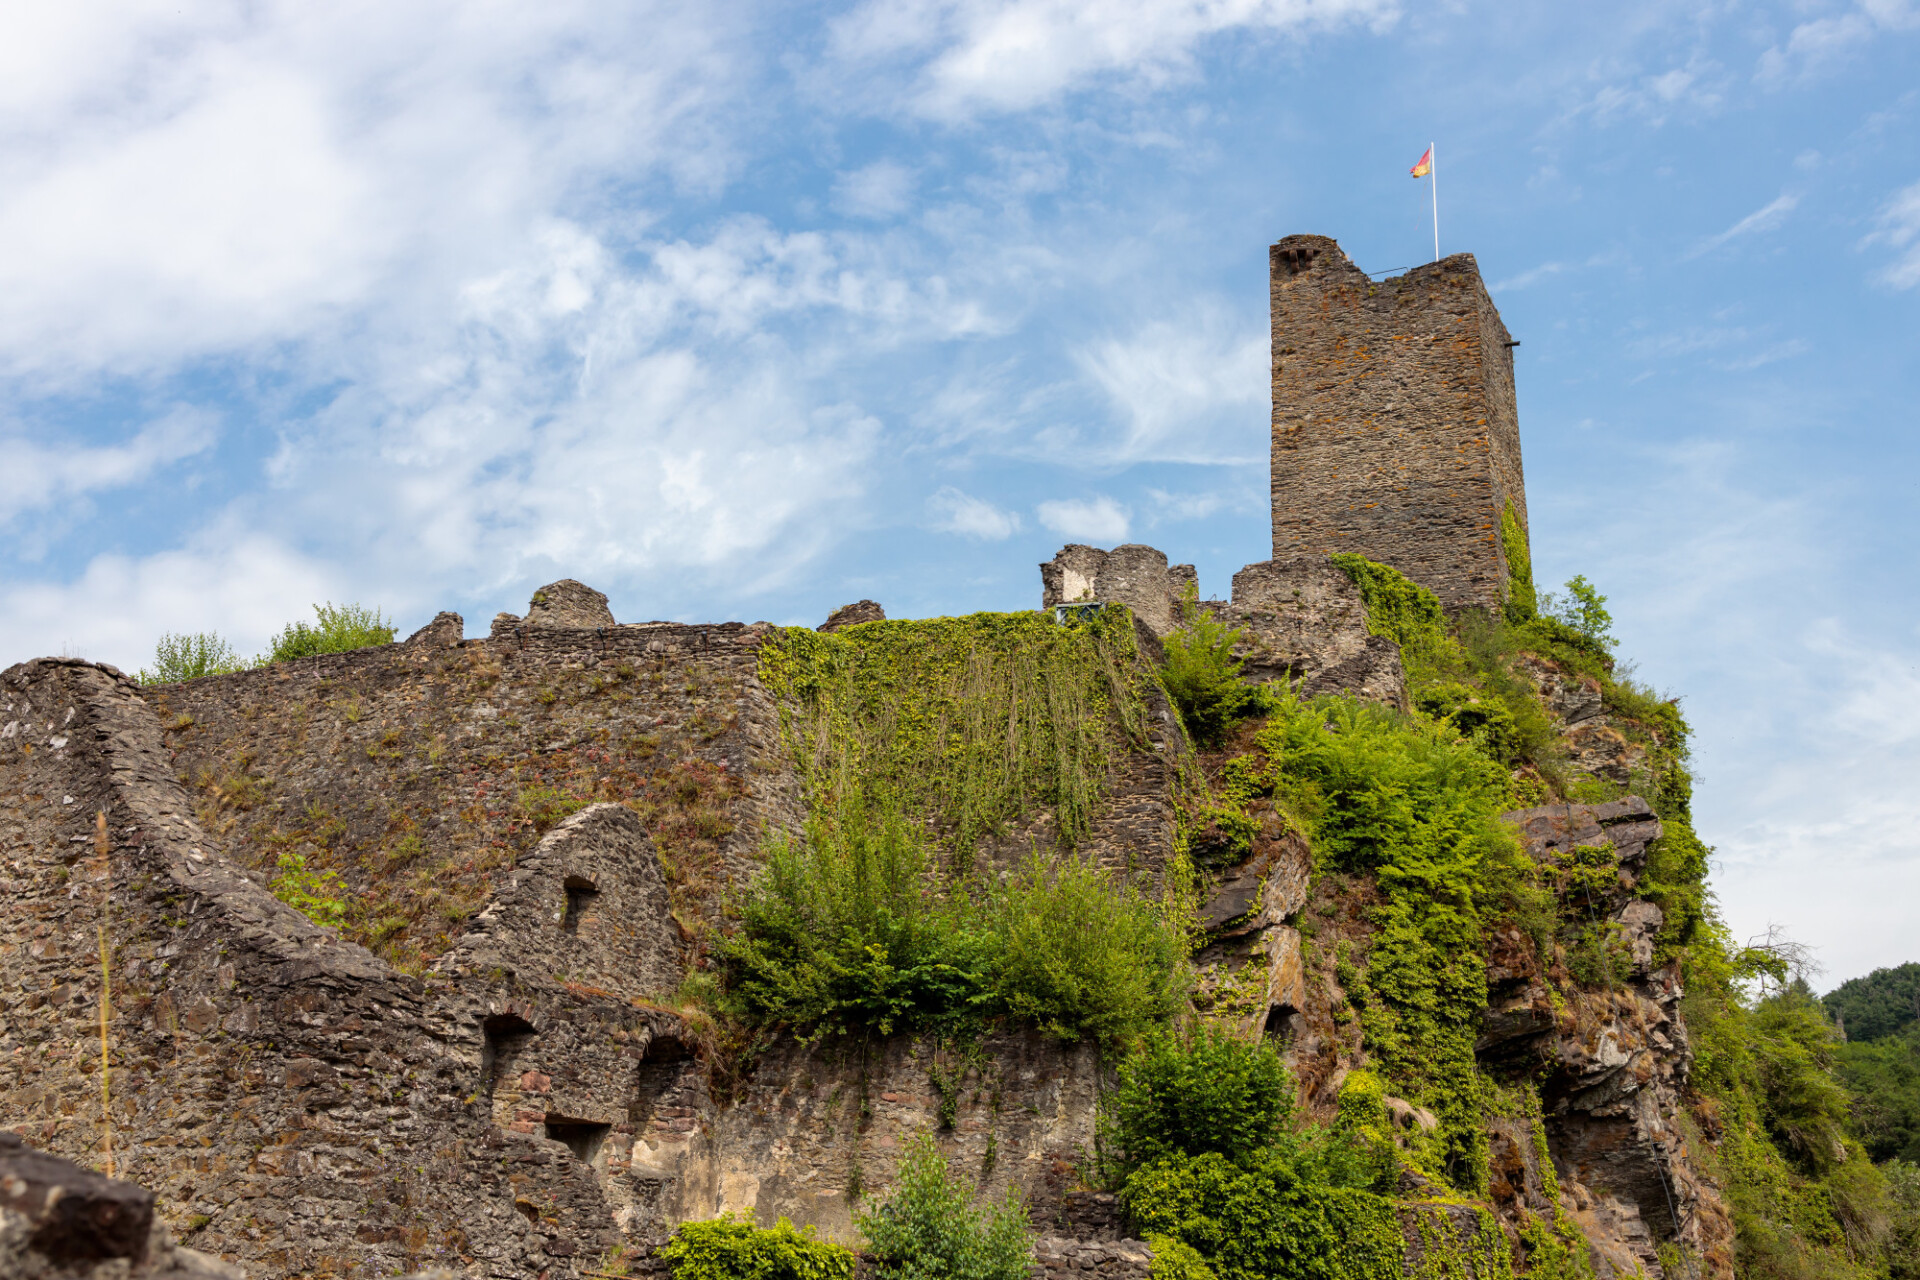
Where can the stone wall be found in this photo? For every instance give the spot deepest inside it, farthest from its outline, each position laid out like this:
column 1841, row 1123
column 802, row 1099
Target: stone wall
column 1395, row 431
column 502, row 1090
column 59, row 1221
column 421, row 772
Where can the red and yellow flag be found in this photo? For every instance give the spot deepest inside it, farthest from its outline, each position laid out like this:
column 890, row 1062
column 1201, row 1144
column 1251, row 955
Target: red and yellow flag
column 1424, row 165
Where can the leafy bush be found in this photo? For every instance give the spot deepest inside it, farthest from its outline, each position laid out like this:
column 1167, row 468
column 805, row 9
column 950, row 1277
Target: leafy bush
column 1267, row 1220
column 1202, row 677
column 1409, row 802
column 1207, row 1091
column 848, row 932
column 339, row 629
column 318, row 895
column 1176, row 1260
column 1483, row 721
column 1883, row 1003
column 1082, row 956
column 1806, row 1203
column 189, row 657
column 853, row 931
column 728, row 1248
column 929, row 1228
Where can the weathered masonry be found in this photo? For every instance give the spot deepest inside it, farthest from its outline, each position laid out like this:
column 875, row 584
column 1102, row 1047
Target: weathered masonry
column 1395, row 433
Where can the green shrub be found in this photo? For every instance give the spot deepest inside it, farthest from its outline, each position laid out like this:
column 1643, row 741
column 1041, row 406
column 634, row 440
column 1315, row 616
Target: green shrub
column 930, row 1229
column 1409, row 802
column 1884, row 1077
column 1806, row 1204
column 1582, row 610
column 1483, row 721
column 854, row 931
column 339, row 629
column 1202, row 677
column 1903, row 1234
column 1205, row 1091
column 318, row 895
column 1176, row 1260
column 727, row 1248
column 1265, row 1221
column 1083, row 956
column 848, row 932
column 191, row 656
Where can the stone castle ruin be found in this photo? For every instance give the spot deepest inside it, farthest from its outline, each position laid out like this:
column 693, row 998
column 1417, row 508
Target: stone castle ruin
column 544, row 823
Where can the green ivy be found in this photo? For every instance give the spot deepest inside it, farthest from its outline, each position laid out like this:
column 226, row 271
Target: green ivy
column 968, row 723
column 1522, row 603
column 1267, row 1220
column 915, row 741
column 1406, row 613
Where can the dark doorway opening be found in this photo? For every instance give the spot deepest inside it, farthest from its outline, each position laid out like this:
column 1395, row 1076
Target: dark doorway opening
column 1284, row 1025
column 505, row 1035
column 581, row 893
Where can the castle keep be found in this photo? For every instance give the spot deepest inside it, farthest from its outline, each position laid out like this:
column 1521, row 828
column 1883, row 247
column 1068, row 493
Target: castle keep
column 1395, row 433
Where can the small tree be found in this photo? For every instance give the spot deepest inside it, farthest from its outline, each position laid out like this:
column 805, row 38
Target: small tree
column 1583, row 609
column 929, row 1229
column 339, row 629
column 1207, row 1091
column 1202, row 676
column 190, row 656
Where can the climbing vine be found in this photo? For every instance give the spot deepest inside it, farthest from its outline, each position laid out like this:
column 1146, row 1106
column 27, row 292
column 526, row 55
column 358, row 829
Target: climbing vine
column 964, row 723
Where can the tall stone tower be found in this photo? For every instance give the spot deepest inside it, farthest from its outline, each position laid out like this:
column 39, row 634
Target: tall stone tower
column 1395, row 433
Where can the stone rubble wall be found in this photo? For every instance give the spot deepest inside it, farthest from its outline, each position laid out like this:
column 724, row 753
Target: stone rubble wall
column 1395, row 433
column 1063, row 1258
column 423, row 767
column 1301, row 619
column 521, row 1104
column 59, row 1221
column 1134, row 575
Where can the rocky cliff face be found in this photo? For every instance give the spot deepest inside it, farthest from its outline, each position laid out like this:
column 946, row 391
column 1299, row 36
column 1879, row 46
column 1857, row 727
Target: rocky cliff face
column 536, row 834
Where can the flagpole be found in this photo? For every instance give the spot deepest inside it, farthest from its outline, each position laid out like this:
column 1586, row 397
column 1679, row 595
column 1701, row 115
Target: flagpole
column 1433, row 176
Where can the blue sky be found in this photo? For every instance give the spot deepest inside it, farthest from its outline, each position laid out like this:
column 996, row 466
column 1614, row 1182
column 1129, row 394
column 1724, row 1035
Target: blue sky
column 741, row 311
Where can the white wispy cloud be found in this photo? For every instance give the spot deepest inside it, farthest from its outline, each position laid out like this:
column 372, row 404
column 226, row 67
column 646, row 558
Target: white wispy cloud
column 1189, row 389
column 1765, row 218
column 188, row 179
column 1098, row 519
column 969, row 56
column 39, row 474
column 962, row 513
column 883, row 189
column 1699, row 87
column 1821, row 44
column 1899, row 227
